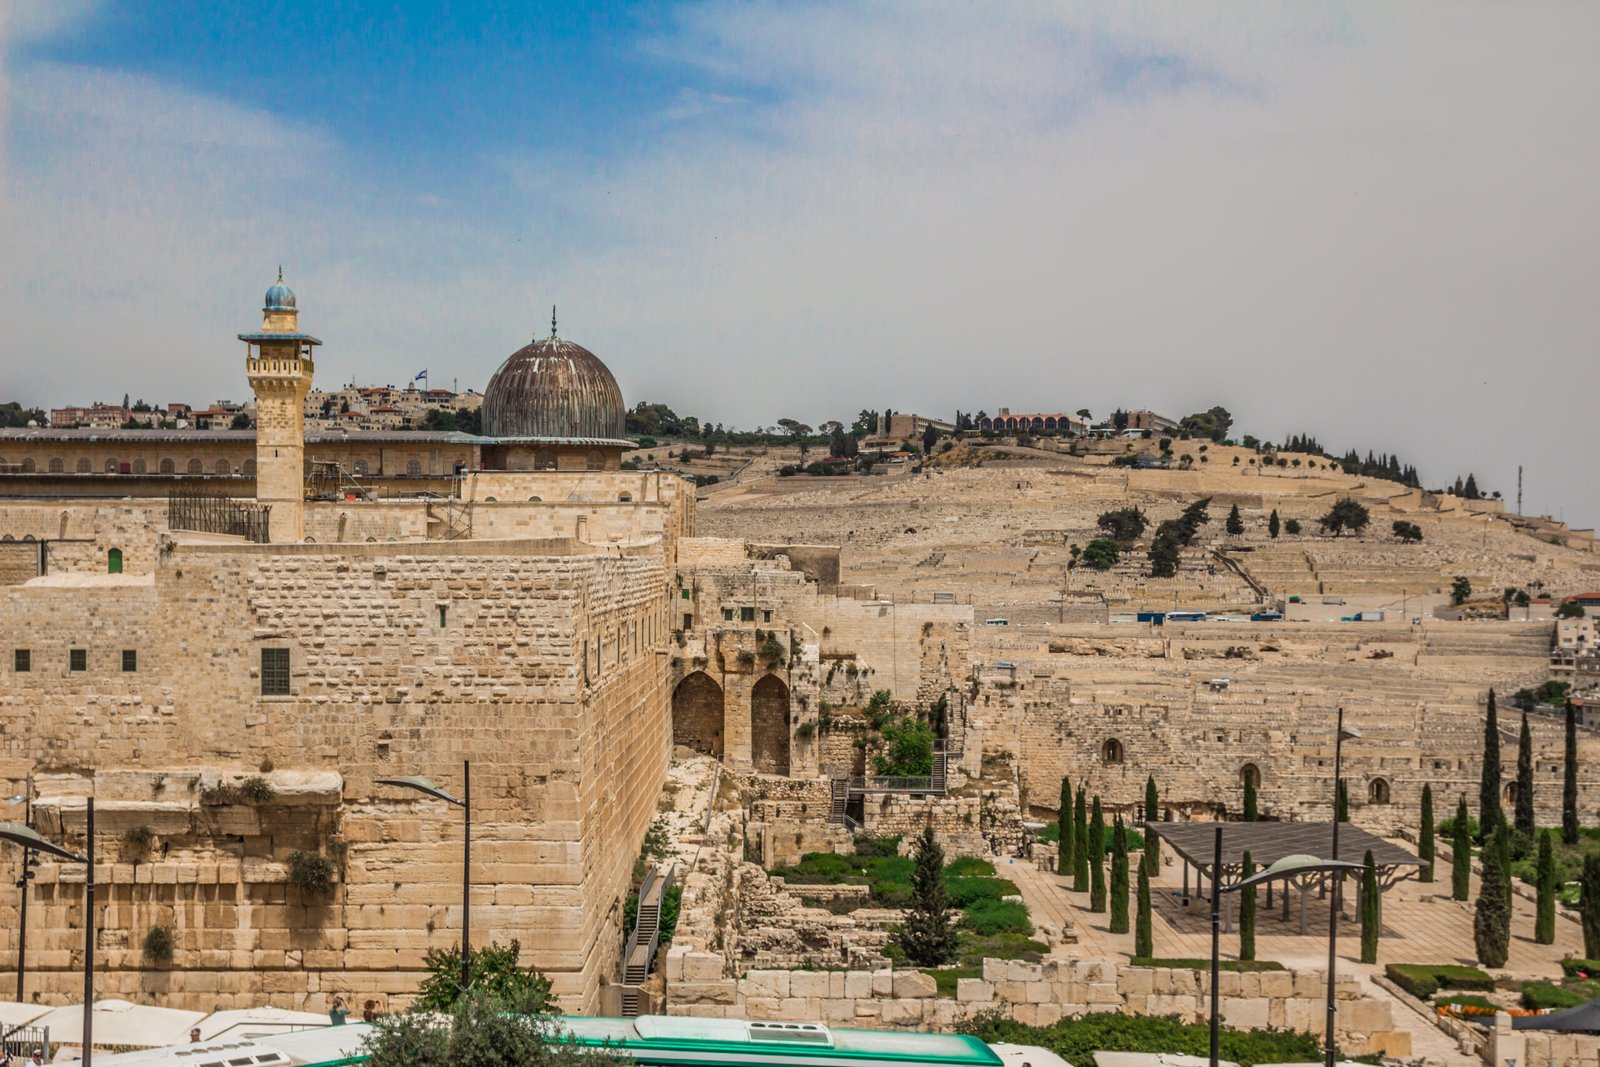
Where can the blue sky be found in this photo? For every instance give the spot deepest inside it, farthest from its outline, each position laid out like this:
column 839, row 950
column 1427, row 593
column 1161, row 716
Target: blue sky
column 1372, row 223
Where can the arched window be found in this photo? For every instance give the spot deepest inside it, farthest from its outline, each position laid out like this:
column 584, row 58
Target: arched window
column 114, row 561
column 138, row 466
column 623, row 498
column 413, row 468
column 57, row 466
column 361, row 467
column 84, row 466
column 1250, row 775
column 249, row 468
column 168, row 467
column 112, row 466
column 28, row 466
column 544, row 459
column 596, row 460
column 536, row 500
column 1378, row 791
column 489, row 500
column 6, row 537
column 195, row 467
column 224, row 468
column 1511, row 792
column 1111, row 751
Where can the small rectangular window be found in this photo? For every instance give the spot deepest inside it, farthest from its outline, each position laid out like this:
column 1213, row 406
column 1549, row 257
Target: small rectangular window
column 78, row 659
column 130, row 660
column 22, row 660
column 444, row 614
column 274, row 672
column 684, row 593
column 766, row 616
column 747, row 614
column 727, row 614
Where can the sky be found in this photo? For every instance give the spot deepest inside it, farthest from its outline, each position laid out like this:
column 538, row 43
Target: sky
column 1373, row 223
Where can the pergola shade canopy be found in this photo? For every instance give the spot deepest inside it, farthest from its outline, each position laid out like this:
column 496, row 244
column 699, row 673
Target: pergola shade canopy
column 25, row 836
column 1269, row 842
column 421, row 785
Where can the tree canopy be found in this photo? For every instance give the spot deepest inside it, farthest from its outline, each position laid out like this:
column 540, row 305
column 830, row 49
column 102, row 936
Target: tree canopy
column 1346, row 514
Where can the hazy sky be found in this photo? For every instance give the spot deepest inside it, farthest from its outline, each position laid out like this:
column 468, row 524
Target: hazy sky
column 1377, row 223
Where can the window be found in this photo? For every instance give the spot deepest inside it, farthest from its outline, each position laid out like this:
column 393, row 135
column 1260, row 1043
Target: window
column 169, row 467
column 596, row 460
column 114, row 561
column 747, row 614
column 130, row 660
column 1378, row 792
column 444, row 613
column 413, row 468
column 78, row 659
column 361, row 468
column 83, row 466
column 139, row 467
column 727, row 614
column 56, row 465
column 194, row 466
column 766, row 615
column 1111, row 751
column 22, row 661
column 112, row 466
column 1250, row 775
column 683, row 594
column 274, row 672
column 223, row 468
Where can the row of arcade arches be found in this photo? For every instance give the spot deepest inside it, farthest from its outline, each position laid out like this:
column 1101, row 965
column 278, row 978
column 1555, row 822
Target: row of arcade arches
column 699, row 720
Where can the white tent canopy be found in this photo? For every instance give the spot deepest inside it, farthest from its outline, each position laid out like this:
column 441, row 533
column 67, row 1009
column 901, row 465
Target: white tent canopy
column 120, row 1024
column 256, row 1022
column 16, row 1013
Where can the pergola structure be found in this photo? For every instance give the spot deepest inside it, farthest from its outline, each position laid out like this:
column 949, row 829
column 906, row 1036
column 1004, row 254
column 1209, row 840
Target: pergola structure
column 1267, row 842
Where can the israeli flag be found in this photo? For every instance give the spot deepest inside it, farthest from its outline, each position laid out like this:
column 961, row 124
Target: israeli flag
column 421, row 377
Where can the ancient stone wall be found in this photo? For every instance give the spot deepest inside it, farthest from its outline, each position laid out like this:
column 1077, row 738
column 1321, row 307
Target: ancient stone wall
column 542, row 662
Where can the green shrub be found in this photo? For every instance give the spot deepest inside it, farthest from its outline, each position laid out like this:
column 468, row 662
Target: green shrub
column 257, row 790
column 1468, row 1000
column 1573, row 967
column 908, row 749
column 1543, row 996
column 1076, row 1040
column 159, row 944
column 1423, row 980
column 1205, row 965
column 136, row 840
column 947, row 977
column 996, row 917
column 310, row 872
column 891, row 894
column 969, row 867
column 877, row 846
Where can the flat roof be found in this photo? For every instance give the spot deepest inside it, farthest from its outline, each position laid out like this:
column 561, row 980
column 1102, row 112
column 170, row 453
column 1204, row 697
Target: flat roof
column 313, row 437
column 1268, row 842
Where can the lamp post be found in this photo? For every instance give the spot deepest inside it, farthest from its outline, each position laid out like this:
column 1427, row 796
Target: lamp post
column 1287, row 867
column 1340, row 733
column 423, row 785
column 25, row 798
column 31, row 841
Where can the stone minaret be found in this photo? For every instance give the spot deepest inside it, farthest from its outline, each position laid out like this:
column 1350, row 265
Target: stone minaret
column 279, row 365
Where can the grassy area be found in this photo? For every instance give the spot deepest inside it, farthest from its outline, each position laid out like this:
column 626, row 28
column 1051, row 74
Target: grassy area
column 1076, row 1040
column 1423, row 980
column 1205, row 965
column 1569, row 994
column 1568, row 858
column 1468, row 1000
column 947, row 977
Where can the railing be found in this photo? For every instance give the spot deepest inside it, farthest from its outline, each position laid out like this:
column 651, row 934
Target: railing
column 639, row 954
column 879, row 783
column 215, row 513
column 20, row 1041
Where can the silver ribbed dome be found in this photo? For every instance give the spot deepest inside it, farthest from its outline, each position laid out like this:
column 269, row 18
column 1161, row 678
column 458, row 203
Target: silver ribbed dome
column 553, row 388
column 280, row 297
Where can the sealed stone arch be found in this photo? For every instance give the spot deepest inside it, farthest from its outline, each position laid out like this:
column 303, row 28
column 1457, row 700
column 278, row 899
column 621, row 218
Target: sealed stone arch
column 769, row 726
column 697, row 708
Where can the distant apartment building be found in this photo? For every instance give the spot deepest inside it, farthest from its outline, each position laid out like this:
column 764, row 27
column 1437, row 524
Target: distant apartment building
column 1146, row 420
column 383, row 407
column 96, row 416
column 1575, row 656
column 900, row 426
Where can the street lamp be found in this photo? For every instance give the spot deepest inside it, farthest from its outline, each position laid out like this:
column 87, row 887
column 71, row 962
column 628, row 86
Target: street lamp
column 1287, row 868
column 424, row 785
column 24, row 798
column 1341, row 733
column 30, row 841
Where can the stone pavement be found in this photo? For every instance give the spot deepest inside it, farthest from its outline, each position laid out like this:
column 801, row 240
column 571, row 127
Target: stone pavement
column 1421, row 925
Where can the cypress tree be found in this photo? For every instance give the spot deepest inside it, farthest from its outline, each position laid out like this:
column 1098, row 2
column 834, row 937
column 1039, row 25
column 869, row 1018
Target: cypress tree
column 1272, row 524
column 1097, row 831
column 1460, row 854
column 1080, row 848
column 1250, row 812
column 1119, row 878
column 1369, row 910
column 1097, row 882
column 1342, row 807
column 1064, row 828
column 926, row 934
column 1522, row 814
column 1143, row 934
column 1235, row 524
column 1569, row 781
column 1152, row 808
column 1425, row 846
column 1247, row 912
column 1544, row 912
column 1490, row 814
column 1589, row 906
column 1491, row 918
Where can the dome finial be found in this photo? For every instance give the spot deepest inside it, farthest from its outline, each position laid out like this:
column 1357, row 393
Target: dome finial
column 552, row 322
column 280, row 272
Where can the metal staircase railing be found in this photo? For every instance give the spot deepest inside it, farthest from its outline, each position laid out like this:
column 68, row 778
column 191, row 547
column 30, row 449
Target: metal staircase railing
column 639, row 954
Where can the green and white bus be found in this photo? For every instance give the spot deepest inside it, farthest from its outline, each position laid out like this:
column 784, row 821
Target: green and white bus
column 650, row 1040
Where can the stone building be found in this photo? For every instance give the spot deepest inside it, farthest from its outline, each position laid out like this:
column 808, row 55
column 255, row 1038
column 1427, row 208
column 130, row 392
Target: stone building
column 229, row 680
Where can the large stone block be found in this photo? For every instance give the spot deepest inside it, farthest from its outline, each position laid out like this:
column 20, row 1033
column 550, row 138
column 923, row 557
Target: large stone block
column 1246, row 1013
column 974, row 991
column 911, row 984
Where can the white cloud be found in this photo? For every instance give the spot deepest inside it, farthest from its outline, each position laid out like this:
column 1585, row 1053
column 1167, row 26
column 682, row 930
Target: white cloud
column 1374, row 224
